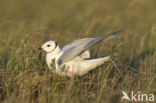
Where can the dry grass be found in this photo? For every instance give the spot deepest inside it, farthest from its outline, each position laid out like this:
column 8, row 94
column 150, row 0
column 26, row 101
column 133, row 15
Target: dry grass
column 26, row 24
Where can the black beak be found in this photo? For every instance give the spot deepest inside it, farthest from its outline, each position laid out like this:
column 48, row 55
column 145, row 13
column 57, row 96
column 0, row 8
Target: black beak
column 39, row 49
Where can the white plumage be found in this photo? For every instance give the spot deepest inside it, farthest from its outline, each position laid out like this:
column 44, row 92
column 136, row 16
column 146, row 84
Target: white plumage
column 74, row 58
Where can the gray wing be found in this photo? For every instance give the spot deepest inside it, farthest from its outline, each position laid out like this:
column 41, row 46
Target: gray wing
column 75, row 43
column 75, row 48
column 85, row 54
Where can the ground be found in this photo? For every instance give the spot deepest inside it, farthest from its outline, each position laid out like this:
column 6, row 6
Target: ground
column 26, row 24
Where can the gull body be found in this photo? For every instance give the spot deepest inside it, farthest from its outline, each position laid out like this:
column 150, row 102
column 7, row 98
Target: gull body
column 78, row 66
column 74, row 58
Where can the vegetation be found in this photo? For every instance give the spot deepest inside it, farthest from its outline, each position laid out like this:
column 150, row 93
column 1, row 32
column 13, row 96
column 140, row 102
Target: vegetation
column 26, row 24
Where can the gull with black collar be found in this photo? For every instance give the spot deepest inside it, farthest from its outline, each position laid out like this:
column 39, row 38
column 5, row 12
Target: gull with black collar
column 74, row 58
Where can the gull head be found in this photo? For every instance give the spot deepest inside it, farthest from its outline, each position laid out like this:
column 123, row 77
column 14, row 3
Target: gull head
column 49, row 46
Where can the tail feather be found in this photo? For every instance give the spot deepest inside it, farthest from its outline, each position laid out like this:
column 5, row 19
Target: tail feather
column 92, row 64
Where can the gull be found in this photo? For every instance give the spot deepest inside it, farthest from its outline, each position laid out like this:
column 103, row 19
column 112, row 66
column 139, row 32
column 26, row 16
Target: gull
column 74, row 58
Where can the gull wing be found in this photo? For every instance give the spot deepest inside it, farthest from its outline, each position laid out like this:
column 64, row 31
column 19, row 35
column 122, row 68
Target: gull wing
column 75, row 48
column 85, row 54
column 75, row 43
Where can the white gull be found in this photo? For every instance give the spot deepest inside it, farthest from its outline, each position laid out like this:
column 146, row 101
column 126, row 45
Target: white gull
column 74, row 58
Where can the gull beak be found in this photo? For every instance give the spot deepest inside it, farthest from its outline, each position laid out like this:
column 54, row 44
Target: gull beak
column 39, row 49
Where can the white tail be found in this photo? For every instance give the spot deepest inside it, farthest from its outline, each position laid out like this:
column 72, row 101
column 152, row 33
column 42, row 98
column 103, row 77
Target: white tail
column 92, row 64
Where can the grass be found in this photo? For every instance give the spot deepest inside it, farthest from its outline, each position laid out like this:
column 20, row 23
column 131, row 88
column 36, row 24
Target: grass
column 26, row 24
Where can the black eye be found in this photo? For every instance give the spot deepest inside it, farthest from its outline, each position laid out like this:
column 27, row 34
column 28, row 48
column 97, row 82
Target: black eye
column 48, row 45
